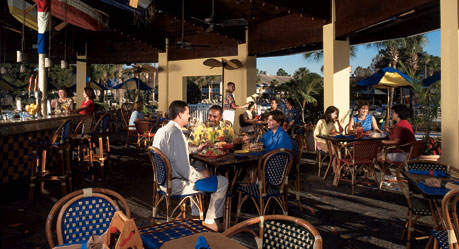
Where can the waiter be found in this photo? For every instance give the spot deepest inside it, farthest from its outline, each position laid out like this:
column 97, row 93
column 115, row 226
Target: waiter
column 230, row 104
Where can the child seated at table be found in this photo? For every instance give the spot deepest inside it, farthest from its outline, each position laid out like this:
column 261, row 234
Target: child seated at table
column 328, row 125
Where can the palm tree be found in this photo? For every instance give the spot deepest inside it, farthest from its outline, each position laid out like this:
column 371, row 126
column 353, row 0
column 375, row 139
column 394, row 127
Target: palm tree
column 391, row 50
column 316, row 56
column 303, row 87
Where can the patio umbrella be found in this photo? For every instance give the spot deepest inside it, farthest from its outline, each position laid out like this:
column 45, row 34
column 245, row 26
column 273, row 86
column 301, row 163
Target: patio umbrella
column 387, row 77
column 133, row 84
column 225, row 64
column 95, row 86
column 5, row 85
column 432, row 79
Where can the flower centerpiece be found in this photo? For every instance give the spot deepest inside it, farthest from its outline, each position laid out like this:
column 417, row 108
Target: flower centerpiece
column 432, row 151
column 433, row 147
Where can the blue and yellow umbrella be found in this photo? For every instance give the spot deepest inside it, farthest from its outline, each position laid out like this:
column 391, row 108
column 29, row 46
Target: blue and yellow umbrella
column 389, row 78
column 133, row 84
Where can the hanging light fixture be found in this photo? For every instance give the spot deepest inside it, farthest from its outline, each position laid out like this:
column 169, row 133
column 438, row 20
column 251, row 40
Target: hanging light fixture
column 64, row 63
column 20, row 53
column 3, row 69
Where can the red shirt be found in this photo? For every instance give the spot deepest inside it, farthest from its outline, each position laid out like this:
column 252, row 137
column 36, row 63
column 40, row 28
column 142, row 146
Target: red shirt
column 90, row 109
column 403, row 131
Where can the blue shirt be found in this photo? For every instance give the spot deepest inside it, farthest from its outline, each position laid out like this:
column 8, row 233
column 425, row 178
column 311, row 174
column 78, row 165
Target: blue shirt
column 366, row 123
column 278, row 140
column 295, row 116
column 135, row 115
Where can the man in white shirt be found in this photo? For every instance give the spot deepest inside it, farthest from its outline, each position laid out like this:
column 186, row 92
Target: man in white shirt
column 173, row 143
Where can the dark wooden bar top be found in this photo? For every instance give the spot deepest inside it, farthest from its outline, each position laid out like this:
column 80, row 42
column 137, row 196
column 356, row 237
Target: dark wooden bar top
column 24, row 125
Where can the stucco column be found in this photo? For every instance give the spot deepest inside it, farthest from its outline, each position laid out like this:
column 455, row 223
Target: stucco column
column 449, row 81
column 336, row 71
column 82, row 72
column 163, row 81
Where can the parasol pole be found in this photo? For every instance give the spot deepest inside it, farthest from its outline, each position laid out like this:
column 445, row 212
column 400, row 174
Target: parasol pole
column 389, row 104
column 223, row 83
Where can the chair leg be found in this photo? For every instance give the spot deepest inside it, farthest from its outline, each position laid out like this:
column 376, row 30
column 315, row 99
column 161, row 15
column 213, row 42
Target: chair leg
column 410, row 230
column 353, row 174
column 127, row 140
column 297, row 187
column 328, row 168
column 33, row 177
column 108, row 144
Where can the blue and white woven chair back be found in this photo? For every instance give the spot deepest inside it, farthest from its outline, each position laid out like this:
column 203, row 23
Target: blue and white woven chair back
column 286, row 234
column 160, row 169
column 276, row 167
column 295, row 147
column 85, row 217
column 426, row 166
column 64, row 133
column 105, row 124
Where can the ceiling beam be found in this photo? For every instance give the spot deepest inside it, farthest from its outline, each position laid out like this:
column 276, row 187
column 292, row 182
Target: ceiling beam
column 296, row 32
column 317, row 9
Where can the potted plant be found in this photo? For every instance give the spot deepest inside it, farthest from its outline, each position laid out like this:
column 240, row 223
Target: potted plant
column 432, row 151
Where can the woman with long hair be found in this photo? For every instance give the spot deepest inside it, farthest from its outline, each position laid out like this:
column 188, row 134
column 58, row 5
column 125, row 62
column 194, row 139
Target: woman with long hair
column 328, row 125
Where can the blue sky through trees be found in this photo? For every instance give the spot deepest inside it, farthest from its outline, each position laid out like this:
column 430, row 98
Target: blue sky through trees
column 364, row 56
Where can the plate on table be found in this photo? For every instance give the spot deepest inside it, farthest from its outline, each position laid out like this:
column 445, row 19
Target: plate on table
column 241, row 153
column 212, row 153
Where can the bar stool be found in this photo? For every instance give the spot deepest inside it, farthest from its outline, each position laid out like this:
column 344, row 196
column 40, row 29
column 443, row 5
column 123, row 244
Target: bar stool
column 58, row 143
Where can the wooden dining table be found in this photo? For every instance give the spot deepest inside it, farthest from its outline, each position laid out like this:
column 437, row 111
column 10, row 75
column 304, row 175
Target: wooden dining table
column 334, row 144
column 228, row 162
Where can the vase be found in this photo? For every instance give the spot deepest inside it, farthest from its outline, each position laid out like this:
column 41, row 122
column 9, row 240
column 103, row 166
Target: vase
column 434, row 158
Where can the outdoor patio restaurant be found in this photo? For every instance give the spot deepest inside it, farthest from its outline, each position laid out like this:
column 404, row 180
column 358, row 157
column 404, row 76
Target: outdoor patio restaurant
column 148, row 124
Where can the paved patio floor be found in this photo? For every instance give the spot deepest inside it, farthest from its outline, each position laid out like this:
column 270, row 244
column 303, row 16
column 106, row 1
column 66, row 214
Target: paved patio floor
column 368, row 219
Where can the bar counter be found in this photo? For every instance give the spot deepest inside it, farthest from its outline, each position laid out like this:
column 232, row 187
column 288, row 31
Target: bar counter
column 21, row 125
column 18, row 135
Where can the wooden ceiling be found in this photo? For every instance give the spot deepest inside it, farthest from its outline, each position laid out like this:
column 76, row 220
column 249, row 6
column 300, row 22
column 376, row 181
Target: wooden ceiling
column 275, row 27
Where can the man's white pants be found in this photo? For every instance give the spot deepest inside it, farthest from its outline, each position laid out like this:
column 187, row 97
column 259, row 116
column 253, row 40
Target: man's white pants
column 229, row 115
column 217, row 198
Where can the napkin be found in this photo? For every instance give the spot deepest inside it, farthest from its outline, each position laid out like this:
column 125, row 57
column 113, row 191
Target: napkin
column 201, row 243
column 208, row 184
column 435, row 172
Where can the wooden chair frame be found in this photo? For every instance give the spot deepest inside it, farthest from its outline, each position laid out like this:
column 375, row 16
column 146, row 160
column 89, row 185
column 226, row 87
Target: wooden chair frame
column 449, row 216
column 63, row 173
column 416, row 149
column 195, row 199
column 356, row 160
column 261, row 204
column 145, row 134
column 297, row 161
column 126, row 111
column 243, row 227
column 53, row 226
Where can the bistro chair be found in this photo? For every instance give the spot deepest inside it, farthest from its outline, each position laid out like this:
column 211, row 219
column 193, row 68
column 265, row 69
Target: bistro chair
column 447, row 238
column 126, row 111
column 320, row 158
column 361, row 155
column 59, row 143
column 100, row 132
column 81, row 214
column 145, row 133
column 162, row 187
column 415, row 150
column 279, row 231
column 297, row 150
column 418, row 206
column 271, row 184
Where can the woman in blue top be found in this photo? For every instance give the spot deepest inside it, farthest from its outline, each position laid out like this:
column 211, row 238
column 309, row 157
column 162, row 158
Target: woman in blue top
column 136, row 114
column 276, row 137
column 368, row 121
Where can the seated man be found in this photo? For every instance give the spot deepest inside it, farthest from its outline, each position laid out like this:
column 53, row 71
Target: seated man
column 294, row 118
column 276, row 137
column 212, row 130
column 171, row 140
column 273, row 107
